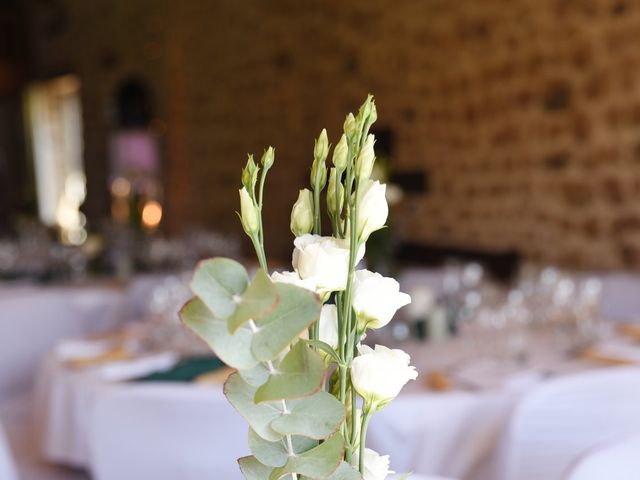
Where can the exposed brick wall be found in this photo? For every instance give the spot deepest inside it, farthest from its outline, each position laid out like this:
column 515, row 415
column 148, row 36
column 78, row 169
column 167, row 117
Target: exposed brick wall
column 524, row 113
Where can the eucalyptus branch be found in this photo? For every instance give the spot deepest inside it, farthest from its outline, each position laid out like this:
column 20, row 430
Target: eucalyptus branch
column 285, row 410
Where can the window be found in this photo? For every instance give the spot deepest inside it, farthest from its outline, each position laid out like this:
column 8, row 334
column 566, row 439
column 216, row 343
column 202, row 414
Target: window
column 54, row 126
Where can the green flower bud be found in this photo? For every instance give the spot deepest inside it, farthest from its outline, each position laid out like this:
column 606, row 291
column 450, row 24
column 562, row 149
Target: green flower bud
column 268, row 157
column 373, row 115
column 365, row 110
column 250, row 174
column 318, row 174
column 321, row 147
column 249, row 215
column 333, row 206
column 366, row 157
column 350, row 125
column 302, row 214
column 341, row 154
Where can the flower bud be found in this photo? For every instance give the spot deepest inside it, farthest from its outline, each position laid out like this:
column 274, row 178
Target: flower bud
column 250, row 174
column 334, row 207
column 373, row 209
column 248, row 213
column 366, row 157
column 341, row 154
column 318, row 174
column 365, row 109
column 268, row 157
column 321, row 147
column 373, row 115
column 350, row 125
column 302, row 214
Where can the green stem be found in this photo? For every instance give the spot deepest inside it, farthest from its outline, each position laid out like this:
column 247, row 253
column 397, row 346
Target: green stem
column 263, row 177
column 363, row 436
column 317, row 227
column 353, row 249
column 343, row 394
column 338, row 228
column 354, row 418
column 259, row 248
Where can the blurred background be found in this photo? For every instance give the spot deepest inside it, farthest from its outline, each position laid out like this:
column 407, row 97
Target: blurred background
column 508, row 132
column 513, row 126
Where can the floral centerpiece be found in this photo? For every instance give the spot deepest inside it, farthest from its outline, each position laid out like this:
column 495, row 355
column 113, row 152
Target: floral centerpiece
column 304, row 382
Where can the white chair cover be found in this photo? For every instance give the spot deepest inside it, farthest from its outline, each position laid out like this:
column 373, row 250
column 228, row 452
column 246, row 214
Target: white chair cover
column 564, row 418
column 620, row 299
column 616, row 461
column 166, row 432
column 7, row 466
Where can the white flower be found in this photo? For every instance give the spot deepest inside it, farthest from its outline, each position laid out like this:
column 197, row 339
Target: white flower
column 373, row 209
column 328, row 326
column 323, row 261
column 376, row 299
column 376, row 466
column 379, row 375
column 293, row 278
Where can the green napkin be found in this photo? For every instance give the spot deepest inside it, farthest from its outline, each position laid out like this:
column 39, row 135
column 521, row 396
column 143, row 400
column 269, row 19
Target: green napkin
column 186, row 370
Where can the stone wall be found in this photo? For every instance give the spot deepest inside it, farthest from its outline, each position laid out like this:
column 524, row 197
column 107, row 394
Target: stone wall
column 524, row 114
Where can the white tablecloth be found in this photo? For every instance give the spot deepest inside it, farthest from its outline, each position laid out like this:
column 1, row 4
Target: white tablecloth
column 33, row 318
column 453, row 434
column 166, row 431
column 7, row 467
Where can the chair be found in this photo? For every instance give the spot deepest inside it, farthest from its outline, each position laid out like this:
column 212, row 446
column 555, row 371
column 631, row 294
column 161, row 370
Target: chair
column 7, row 466
column 619, row 460
column 620, row 299
column 166, row 432
column 560, row 420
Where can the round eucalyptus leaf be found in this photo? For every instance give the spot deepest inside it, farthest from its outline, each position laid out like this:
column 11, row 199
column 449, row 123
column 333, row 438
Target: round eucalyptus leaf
column 218, row 281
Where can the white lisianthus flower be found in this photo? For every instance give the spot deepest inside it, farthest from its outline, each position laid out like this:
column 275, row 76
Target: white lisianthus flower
column 379, row 375
column 376, row 299
column 328, row 326
column 376, row 466
column 293, row 278
column 373, row 209
column 323, row 261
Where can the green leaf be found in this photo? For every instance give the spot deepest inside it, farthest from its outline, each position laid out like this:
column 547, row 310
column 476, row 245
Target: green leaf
column 253, row 469
column 275, row 454
column 315, row 417
column 345, row 472
column 299, row 375
column 326, row 348
column 259, row 299
column 319, row 462
column 298, row 308
column 255, row 376
column 240, row 394
column 217, row 282
column 234, row 350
